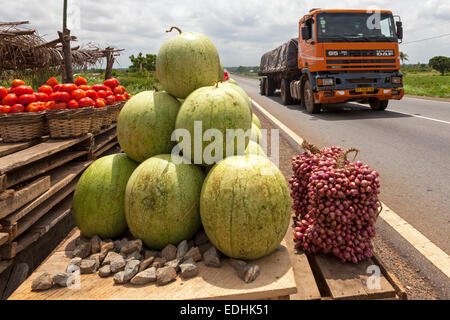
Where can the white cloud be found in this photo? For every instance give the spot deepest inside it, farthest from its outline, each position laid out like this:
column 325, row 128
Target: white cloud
column 241, row 30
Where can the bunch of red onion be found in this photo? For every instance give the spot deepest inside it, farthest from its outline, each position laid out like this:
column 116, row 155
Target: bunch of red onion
column 336, row 204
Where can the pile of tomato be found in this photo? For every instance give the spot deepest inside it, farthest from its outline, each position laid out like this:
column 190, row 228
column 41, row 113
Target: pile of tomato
column 54, row 96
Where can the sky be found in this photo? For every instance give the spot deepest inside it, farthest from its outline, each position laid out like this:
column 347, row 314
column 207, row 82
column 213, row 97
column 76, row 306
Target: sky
column 242, row 30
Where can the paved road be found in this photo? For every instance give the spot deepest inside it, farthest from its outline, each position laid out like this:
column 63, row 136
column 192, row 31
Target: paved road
column 409, row 144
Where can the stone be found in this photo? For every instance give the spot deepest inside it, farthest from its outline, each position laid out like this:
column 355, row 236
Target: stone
column 96, row 244
column 109, row 257
column 174, row 264
column 63, row 279
column 205, row 247
column 106, row 248
column 146, row 263
column 118, row 244
column 201, row 237
column 134, row 256
column 88, row 266
column 191, row 244
column 105, row 271
column 193, row 253
column 131, row 246
column 96, row 258
column 117, row 264
column 131, row 269
column 74, row 265
column 249, row 273
column 237, row 264
column 152, row 253
column 83, row 250
column 159, row 263
column 165, row 275
column 182, row 249
column 188, row 269
column 169, row 252
column 144, row 277
column 41, row 283
column 211, row 258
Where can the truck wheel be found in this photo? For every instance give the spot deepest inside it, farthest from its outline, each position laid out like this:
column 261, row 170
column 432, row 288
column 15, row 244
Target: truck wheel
column 262, row 86
column 286, row 92
column 308, row 96
column 378, row 105
column 269, row 87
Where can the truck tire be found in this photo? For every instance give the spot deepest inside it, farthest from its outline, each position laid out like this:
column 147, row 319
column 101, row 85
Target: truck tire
column 286, row 92
column 378, row 105
column 262, row 86
column 308, row 98
column 269, row 87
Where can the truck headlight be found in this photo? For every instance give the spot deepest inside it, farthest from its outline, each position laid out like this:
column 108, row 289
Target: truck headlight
column 397, row 80
column 325, row 82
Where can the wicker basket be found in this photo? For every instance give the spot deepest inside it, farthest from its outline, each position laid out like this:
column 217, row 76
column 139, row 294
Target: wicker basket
column 98, row 119
column 19, row 127
column 114, row 111
column 65, row 124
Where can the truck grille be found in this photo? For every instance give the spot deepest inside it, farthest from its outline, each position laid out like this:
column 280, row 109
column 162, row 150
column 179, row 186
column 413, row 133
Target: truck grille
column 361, row 53
column 351, row 61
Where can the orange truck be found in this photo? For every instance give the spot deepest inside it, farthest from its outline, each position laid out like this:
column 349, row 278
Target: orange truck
column 339, row 56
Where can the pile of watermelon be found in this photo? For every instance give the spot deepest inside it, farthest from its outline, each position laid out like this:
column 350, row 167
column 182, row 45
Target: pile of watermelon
column 164, row 194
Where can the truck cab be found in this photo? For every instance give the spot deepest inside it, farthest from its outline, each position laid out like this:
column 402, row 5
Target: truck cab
column 343, row 55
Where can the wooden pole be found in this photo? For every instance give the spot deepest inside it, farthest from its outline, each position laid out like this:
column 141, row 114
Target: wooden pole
column 65, row 15
column 67, row 52
column 109, row 63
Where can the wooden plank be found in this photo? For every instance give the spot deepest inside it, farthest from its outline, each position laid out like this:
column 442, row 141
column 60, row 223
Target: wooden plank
column 4, row 237
column 102, row 131
column 349, row 281
column 23, row 196
column 304, row 277
column 5, row 264
column 37, row 152
column 11, row 230
column 3, row 182
column 276, row 280
column 42, row 166
column 60, row 177
column 8, row 148
column 8, row 250
column 104, row 139
column 18, row 275
column 399, row 289
column 105, row 148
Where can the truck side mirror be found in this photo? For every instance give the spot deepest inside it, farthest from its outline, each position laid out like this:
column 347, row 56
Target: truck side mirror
column 305, row 33
column 399, row 30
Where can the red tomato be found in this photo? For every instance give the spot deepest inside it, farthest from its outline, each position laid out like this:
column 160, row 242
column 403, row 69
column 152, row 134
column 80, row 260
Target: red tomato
column 63, row 96
column 112, row 83
column 5, row 109
column 109, row 93
column 99, row 87
column 119, row 90
column 68, row 87
column 120, row 97
column 52, row 82
column 127, row 96
column 34, row 107
column 21, row 90
column 26, row 99
column 3, row 92
column 101, row 94
column 46, row 89
column 84, row 87
column 41, row 97
column 86, row 102
column 226, row 77
column 73, row 104
column 59, row 106
column 79, row 81
column 10, row 99
column 78, row 94
column 57, row 88
column 17, row 82
column 17, row 108
column 49, row 105
column 92, row 94
column 100, row 103
column 110, row 100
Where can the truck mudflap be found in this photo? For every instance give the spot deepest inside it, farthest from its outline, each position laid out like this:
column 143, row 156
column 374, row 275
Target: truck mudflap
column 340, row 96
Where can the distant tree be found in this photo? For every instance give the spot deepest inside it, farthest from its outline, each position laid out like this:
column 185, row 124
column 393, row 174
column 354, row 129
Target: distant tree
column 403, row 57
column 441, row 64
column 148, row 62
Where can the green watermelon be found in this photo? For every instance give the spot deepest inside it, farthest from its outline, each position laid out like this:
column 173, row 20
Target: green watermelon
column 254, row 148
column 221, row 72
column 162, row 201
column 187, row 62
column 241, row 91
column 233, row 82
column 256, row 121
column 146, row 123
column 98, row 202
column 256, row 134
column 216, row 107
column 245, row 207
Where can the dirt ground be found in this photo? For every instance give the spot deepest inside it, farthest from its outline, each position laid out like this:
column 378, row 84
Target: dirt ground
column 417, row 288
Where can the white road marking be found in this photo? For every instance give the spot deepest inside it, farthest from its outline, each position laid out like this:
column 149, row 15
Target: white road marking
column 422, row 117
column 422, row 244
column 424, row 99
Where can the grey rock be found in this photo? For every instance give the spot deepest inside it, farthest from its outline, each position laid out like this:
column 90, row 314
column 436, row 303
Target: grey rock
column 249, row 273
column 111, row 255
column 146, row 263
column 211, row 258
column 131, row 269
column 119, row 244
column 105, row 271
column 152, row 253
column 182, row 249
column 88, row 266
column 193, row 253
column 144, row 277
column 75, row 261
column 106, row 248
column 134, row 256
column 188, row 269
column 201, row 238
column 191, row 244
column 117, row 264
column 174, row 264
column 165, row 275
column 131, row 246
column 63, row 279
column 159, row 263
column 41, row 283
column 83, row 250
column 96, row 258
column 237, row 264
column 169, row 252
column 96, row 244
column 205, row 247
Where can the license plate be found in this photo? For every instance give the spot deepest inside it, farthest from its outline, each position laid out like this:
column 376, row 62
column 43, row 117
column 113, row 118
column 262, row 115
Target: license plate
column 365, row 89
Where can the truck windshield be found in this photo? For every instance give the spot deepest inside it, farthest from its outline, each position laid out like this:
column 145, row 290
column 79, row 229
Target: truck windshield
column 355, row 27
